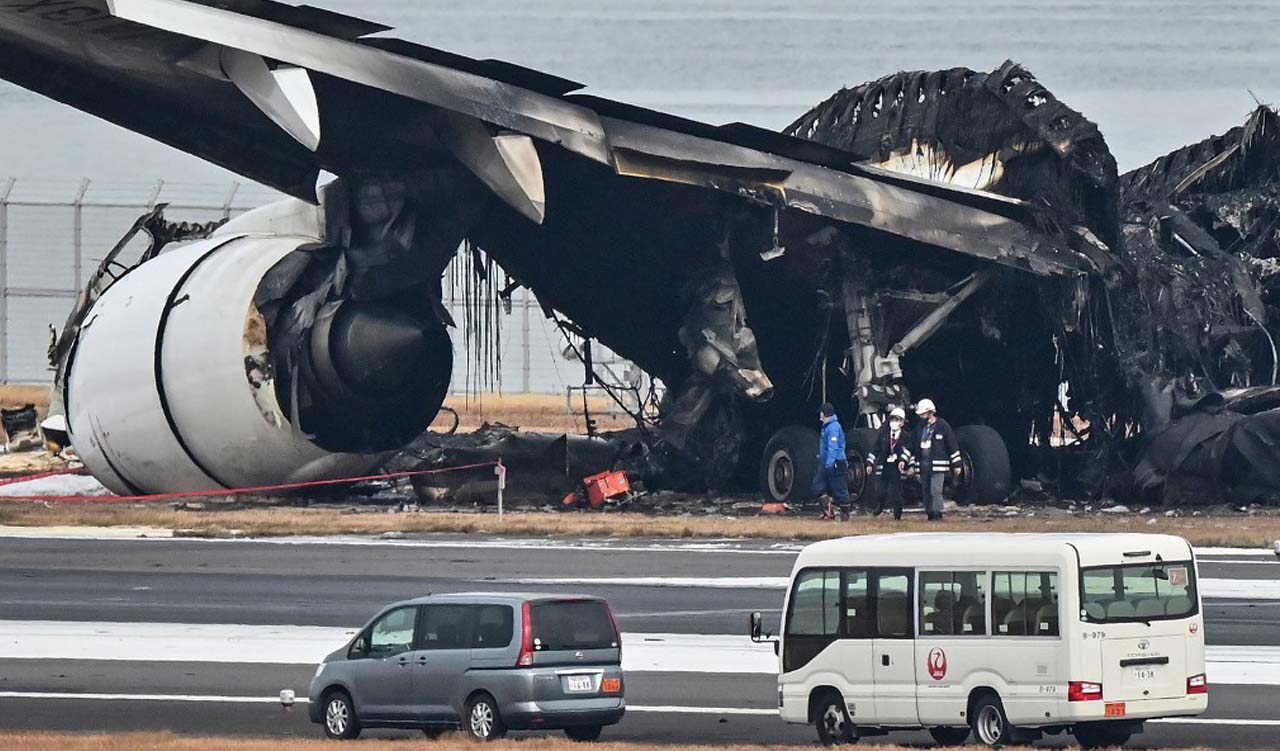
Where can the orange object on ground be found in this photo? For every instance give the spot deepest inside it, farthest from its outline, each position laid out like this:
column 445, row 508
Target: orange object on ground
column 773, row 508
column 606, row 485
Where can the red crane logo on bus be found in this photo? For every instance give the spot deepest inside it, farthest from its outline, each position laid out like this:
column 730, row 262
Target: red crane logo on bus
column 937, row 664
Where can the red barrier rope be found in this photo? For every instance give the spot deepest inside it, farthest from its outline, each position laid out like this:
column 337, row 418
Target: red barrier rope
column 217, row 493
column 41, row 475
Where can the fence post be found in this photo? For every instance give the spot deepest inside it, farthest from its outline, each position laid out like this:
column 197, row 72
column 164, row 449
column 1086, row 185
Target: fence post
column 155, row 195
column 501, row 472
column 4, row 279
column 78, row 232
column 525, row 362
column 231, row 196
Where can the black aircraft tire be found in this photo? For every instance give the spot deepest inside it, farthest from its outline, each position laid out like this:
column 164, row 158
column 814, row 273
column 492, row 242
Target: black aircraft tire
column 789, row 463
column 987, row 475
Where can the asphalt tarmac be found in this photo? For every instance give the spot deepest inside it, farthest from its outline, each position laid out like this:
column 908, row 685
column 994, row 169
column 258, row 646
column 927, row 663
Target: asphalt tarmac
column 667, row 587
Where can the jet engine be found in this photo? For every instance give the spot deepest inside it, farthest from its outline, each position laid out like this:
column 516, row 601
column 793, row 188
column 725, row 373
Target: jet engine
column 172, row 383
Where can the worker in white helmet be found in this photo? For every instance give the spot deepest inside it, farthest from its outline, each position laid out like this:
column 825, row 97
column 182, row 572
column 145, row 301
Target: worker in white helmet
column 889, row 463
column 938, row 454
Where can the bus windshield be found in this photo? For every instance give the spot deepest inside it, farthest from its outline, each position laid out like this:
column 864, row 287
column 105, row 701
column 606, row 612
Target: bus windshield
column 1140, row 592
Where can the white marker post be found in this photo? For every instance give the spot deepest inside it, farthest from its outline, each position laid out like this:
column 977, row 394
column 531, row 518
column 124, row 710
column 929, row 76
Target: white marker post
column 501, row 472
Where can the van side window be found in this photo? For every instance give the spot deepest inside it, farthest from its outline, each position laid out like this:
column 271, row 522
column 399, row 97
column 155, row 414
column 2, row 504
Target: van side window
column 1024, row 603
column 953, row 603
column 893, row 604
column 392, row 633
column 445, row 627
column 494, row 627
column 858, row 623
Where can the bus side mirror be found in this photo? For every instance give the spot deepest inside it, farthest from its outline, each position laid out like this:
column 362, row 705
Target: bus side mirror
column 756, row 627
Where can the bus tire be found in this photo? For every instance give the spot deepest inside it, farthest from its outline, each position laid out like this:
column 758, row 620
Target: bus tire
column 950, row 736
column 832, row 721
column 789, row 464
column 986, row 473
column 1093, row 735
column 989, row 723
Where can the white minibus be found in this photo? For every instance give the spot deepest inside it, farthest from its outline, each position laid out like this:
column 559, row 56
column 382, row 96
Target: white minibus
column 1005, row 636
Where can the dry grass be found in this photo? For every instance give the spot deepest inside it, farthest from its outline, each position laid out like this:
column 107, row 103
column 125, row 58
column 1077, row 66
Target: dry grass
column 17, row 396
column 533, row 412
column 1225, row 531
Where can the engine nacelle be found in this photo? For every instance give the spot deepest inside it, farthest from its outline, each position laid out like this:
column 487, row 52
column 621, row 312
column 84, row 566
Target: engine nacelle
column 171, row 384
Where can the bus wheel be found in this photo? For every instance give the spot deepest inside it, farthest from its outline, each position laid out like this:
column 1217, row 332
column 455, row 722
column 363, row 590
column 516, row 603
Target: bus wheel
column 990, row 725
column 1095, row 735
column 834, row 726
column 949, row 736
column 789, row 463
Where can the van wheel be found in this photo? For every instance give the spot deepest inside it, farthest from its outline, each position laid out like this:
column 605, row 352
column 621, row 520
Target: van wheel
column 789, row 463
column 584, row 733
column 990, row 725
column 340, row 721
column 986, row 475
column 483, row 721
column 833, row 723
column 1092, row 736
column 949, row 736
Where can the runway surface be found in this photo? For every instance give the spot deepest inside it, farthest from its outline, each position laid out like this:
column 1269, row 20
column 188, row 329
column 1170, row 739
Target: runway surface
column 200, row 636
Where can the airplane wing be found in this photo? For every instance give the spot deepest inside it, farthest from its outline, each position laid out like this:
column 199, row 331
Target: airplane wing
column 278, row 92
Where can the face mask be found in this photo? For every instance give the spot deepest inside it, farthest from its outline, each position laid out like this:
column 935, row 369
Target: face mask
column 895, row 424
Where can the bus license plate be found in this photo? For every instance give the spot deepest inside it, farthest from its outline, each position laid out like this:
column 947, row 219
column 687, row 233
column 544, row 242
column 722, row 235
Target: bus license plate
column 577, row 683
column 1144, row 674
column 1115, row 709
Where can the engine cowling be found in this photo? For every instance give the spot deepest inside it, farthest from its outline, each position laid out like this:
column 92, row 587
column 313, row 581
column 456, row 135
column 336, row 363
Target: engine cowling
column 172, row 385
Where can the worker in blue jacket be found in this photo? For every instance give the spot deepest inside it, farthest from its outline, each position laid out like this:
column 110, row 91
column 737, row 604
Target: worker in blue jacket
column 831, row 481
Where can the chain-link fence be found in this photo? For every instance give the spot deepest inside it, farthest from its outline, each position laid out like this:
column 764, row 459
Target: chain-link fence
column 53, row 234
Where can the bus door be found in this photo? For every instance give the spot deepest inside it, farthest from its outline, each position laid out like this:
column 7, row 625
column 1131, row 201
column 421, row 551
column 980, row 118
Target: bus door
column 893, row 649
column 951, row 642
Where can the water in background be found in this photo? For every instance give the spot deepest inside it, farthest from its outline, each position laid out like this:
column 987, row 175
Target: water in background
column 1154, row 74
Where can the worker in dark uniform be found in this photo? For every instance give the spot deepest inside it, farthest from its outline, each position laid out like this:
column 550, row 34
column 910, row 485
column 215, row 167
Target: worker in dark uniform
column 831, row 481
column 939, row 453
column 889, row 463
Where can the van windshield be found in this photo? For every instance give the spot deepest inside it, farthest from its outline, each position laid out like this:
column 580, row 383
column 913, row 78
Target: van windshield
column 1138, row 592
column 572, row 624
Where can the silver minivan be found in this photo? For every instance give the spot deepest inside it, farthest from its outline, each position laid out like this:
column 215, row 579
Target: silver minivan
column 486, row 662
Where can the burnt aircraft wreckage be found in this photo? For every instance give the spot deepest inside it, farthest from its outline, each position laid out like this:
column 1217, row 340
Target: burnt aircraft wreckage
column 952, row 233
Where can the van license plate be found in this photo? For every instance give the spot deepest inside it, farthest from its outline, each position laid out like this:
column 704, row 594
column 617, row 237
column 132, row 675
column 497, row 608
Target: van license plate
column 1115, row 709
column 577, row 683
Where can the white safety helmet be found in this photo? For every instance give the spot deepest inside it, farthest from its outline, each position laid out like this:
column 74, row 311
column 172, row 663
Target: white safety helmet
column 898, row 412
column 925, row 406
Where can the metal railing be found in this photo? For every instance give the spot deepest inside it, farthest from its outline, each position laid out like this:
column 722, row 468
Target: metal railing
column 54, row 234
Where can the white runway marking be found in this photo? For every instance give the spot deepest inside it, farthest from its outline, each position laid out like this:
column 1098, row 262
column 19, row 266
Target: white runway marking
column 148, row 697
column 650, row 709
column 711, row 545
column 307, row 645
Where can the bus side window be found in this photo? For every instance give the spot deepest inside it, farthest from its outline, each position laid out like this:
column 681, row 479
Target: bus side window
column 937, row 603
column 953, row 603
column 1024, row 603
column 893, row 604
column 971, row 603
column 857, row 605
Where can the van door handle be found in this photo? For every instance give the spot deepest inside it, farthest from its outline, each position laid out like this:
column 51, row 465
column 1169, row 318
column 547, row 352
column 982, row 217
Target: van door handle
column 422, row 661
column 884, row 660
column 1144, row 661
column 403, row 661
